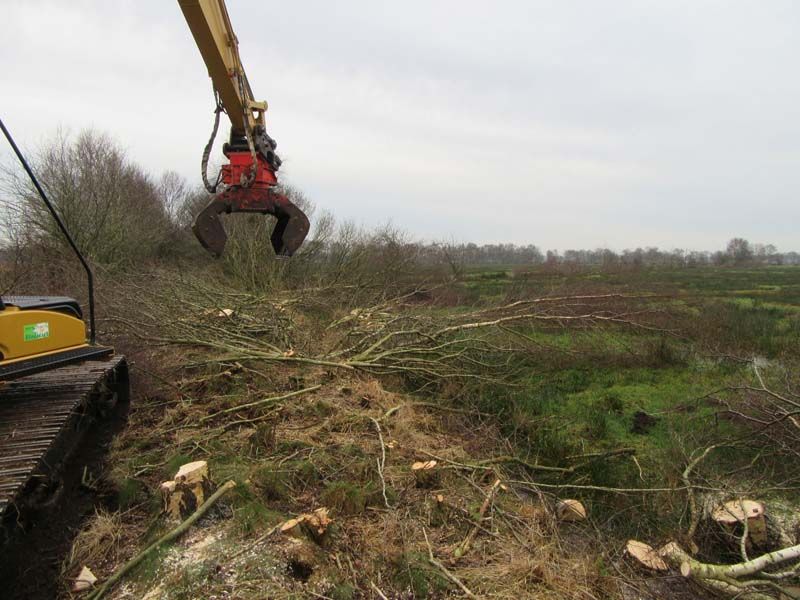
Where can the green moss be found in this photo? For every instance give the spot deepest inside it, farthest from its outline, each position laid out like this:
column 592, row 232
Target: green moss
column 304, row 473
column 414, row 573
column 343, row 591
column 290, row 446
column 344, row 498
column 129, row 492
column 175, row 462
column 250, row 512
column 270, row 480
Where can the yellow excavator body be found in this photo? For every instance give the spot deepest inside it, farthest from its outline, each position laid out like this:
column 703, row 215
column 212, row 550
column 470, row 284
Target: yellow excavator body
column 26, row 334
column 38, row 333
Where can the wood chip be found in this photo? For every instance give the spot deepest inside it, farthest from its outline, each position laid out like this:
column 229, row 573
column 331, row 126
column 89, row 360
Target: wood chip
column 423, row 466
column 84, row 581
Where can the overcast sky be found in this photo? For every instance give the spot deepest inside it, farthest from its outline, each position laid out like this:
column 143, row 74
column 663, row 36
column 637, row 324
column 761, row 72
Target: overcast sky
column 562, row 123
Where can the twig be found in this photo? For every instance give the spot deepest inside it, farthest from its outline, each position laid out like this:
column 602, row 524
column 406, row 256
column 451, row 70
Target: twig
column 524, row 463
column 433, row 405
column 444, row 569
column 259, row 402
column 534, row 485
column 381, row 462
column 463, row 548
column 607, row 454
column 694, row 516
column 638, row 466
column 378, row 591
column 484, row 464
column 745, row 533
column 166, row 538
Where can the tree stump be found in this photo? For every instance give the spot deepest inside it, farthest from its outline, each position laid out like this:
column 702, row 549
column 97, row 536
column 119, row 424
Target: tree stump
column 262, row 441
column 425, row 473
column 438, row 511
column 313, row 525
column 188, row 489
column 570, row 510
column 731, row 517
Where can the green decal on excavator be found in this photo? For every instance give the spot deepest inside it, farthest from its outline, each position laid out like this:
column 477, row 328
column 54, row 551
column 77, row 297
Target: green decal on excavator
column 36, row 331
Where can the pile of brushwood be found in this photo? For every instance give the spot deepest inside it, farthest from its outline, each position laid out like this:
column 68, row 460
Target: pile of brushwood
column 351, row 452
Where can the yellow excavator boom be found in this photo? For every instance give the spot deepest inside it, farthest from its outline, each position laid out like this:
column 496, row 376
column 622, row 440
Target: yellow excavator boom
column 211, row 27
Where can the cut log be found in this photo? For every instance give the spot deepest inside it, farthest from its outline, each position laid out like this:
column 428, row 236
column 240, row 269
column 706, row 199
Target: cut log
column 189, row 489
column 733, row 581
column 645, row 555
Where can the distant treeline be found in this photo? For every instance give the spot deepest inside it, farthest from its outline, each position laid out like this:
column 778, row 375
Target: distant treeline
column 738, row 251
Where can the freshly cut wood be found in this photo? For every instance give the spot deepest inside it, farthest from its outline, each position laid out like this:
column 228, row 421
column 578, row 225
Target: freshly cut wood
column 423, row 465
column 314, row 524
column 170, row 500
column 84, row 581
column 192, row 472
column 645, row 555
column 570, row 510
column 291, row 526
column 736, row 512
column 671, row 550
column 188, row 489
column 425, row 473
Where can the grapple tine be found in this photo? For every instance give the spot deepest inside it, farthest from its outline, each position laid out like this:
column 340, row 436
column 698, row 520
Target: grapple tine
column 208, row 229
column 290, row 230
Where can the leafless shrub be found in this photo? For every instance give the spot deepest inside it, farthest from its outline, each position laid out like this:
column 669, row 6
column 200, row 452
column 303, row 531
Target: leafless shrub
column 770, row 406
column 116, row 213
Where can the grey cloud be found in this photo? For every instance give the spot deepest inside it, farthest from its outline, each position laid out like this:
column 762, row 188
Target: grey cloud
column 562, row 123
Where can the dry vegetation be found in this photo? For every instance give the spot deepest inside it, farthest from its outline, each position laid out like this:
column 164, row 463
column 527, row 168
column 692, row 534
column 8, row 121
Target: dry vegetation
column 307, row 400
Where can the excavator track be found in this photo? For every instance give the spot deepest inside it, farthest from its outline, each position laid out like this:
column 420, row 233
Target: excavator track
column 42, row 420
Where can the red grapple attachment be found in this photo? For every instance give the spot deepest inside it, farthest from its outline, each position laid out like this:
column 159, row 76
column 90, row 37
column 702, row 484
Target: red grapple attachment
column 260, row 197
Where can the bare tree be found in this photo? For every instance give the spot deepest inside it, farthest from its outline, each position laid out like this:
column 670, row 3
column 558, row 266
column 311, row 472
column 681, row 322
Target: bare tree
column 111, row 206
column 739, row 250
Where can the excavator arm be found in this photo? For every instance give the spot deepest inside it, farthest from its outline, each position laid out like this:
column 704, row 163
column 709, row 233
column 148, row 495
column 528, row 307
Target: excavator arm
column 250, row 177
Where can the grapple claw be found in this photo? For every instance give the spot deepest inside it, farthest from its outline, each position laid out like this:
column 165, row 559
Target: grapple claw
column 287, row 235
